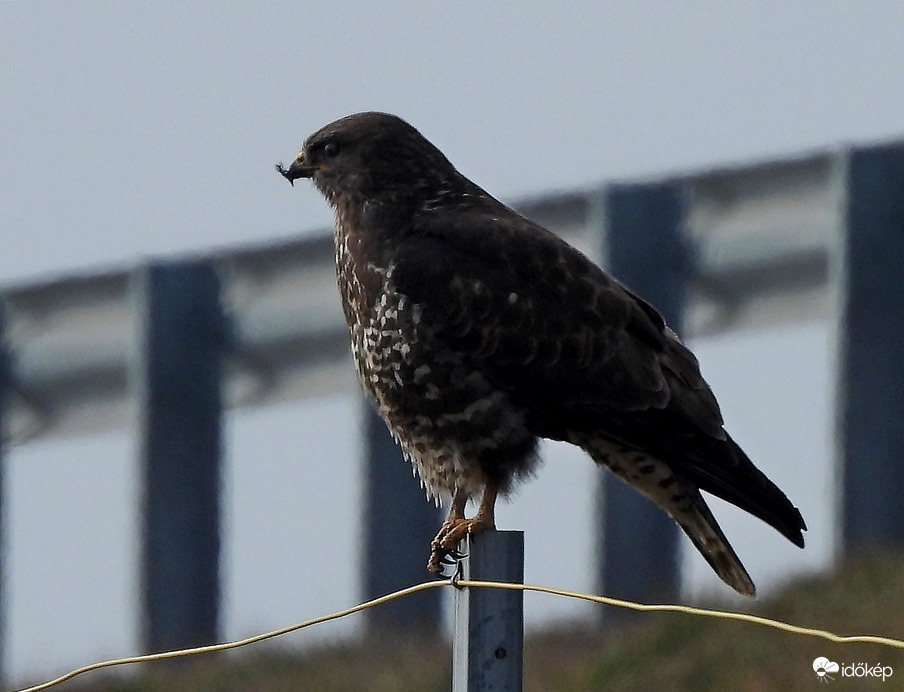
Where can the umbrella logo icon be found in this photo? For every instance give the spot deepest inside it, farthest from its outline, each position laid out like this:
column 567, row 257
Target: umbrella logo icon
column 823, row 667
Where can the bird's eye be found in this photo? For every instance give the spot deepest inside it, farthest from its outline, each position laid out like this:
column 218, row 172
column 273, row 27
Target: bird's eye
column 330, row 149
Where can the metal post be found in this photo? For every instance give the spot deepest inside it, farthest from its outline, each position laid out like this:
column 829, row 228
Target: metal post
column 645, row 250
column 488, row 650
column 182, row 341
column 399, row 523
column 5, row 381
column 871, row 352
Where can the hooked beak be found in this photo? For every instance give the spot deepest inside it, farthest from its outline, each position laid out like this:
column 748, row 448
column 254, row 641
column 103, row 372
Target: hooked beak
column 298, row 169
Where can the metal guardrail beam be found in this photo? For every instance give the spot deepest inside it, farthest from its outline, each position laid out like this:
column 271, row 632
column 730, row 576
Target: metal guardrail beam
column 762, row 236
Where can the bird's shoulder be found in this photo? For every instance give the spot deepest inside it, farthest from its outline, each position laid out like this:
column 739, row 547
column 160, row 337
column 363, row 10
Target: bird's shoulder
column 532, row 311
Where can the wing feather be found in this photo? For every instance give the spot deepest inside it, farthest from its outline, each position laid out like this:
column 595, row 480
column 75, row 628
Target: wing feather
column 544, row 322
column 578, row 349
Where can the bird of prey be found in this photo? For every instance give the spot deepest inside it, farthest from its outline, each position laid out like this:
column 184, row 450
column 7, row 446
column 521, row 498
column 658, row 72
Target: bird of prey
column 476, row 332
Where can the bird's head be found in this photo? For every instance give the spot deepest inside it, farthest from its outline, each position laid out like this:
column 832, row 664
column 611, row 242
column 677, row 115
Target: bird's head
column 372, row 156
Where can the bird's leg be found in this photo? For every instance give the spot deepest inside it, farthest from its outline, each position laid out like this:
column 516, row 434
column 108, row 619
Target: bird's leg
column 443, row 548
column 439, row 558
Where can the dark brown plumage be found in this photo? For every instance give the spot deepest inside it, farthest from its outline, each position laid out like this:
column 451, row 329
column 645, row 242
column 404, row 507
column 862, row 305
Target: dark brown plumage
column 477, row 331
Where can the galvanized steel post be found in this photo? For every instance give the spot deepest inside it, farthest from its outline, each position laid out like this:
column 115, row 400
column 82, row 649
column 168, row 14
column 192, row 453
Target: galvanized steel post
column 487, row 652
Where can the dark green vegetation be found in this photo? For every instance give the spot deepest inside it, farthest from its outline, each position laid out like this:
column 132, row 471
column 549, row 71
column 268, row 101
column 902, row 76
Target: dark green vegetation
column 661, row 651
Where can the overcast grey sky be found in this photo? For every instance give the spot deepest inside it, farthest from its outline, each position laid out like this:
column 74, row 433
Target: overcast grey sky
column 132, row 130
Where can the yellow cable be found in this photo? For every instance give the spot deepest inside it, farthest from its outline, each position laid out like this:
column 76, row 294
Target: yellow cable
column 163, row 655
column 691, row 610
column 465, row 583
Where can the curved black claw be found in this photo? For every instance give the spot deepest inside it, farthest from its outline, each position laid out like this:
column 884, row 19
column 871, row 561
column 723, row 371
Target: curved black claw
column 457, row 575
column 440, row 559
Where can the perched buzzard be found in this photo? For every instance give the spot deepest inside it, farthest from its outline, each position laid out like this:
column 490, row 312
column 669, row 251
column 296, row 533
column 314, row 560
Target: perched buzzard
column 477, row 331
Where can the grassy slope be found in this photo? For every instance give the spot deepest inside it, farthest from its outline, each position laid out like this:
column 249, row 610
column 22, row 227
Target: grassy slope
column 655, row 652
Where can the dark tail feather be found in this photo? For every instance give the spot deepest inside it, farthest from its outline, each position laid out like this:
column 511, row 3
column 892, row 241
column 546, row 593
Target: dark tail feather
column 705, row 533
column 725, row 471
